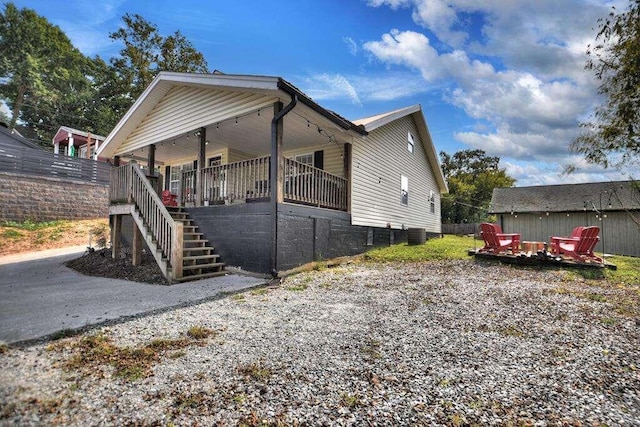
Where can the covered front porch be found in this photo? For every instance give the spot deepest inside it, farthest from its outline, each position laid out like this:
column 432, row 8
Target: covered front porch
column 217, row 141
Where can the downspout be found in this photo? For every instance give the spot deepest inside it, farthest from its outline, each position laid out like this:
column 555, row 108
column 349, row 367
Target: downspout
column 273, row 178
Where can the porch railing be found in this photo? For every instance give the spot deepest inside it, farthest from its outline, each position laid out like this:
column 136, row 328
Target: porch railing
column 248, row 180
column 129, row 184
column 312, row 186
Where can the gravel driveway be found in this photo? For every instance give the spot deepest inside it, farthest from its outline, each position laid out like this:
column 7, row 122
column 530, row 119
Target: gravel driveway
column 453, row 343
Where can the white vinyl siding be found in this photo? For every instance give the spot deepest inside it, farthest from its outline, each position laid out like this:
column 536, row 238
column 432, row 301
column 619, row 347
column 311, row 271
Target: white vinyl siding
column 186, row 108
column 232, row 156
column 378, row 160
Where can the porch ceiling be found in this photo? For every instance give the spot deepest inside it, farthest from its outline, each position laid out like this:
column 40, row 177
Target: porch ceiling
column 251, row 135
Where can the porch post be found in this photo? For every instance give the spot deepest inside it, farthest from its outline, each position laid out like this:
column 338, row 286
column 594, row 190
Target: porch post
column 151, row 159
column 276, row 180
column 199, row 187
column 276, row 173
column 136, row 256
column 277, row 161
column 346, row 172
column 116, row 231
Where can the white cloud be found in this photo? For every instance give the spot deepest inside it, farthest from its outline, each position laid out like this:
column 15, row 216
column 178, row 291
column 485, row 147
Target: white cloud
column 351, row 44
column 332, row 86
column 518, row 65
column 363, row 88
column 538, row 173
column 86, row 26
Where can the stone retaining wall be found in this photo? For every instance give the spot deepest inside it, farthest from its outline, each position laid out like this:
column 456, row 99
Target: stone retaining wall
column 24, row 197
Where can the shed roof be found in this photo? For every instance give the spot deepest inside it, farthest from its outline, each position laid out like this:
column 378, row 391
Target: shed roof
column 614, row 195
column 64, row 131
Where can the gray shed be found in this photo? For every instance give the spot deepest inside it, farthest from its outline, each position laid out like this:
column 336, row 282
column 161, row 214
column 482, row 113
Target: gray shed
column 554, row 210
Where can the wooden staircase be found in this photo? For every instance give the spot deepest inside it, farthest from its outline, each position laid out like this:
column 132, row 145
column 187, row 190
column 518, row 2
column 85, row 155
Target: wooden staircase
column 198, row 260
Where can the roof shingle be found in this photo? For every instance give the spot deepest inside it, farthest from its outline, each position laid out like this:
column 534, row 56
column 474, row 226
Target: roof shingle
column 567, row 197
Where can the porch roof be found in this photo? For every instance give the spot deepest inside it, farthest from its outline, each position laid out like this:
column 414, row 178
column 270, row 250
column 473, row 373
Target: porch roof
column 243, row 93
column 415, row 111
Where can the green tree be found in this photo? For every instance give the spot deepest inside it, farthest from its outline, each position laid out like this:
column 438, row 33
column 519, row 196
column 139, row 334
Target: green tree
column 146, row 53
column 44, row 77
column 471, row 176
column 612, row 136
column 110, row 101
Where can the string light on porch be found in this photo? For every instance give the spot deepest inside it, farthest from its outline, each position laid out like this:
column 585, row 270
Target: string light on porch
column 330, row 137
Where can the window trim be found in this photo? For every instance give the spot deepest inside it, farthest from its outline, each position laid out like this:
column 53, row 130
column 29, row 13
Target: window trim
column 411, row 142
column 404, row 190
column 432, row 202
column 298, row 156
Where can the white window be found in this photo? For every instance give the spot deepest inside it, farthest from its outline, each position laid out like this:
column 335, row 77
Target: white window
column 176, row 176
column 404, row 190
column 432, row 202
column 307, row 159
column 410, row 142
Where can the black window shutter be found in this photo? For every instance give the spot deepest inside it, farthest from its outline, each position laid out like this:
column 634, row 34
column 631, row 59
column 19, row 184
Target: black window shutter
column 167, row 177
column 318, row 159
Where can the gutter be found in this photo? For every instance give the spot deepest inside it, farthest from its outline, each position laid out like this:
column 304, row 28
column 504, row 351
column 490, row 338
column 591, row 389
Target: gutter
column 273, row 180
column 295, row 93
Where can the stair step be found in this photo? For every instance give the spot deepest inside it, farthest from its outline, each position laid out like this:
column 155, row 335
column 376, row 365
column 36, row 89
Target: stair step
column 184, row 220
column 188, row 237
column 202, row 266
column 200, row 257
column 201, row 248
column 195, row 241
column 202, row 276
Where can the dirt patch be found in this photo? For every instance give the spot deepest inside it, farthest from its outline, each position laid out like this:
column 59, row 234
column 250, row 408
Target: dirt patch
column 99, row 263
column 28, row 237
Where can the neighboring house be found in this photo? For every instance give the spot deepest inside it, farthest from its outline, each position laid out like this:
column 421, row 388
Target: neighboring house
column 13, row 139
column 272, row 179
column 76, row 143
column 554, row 210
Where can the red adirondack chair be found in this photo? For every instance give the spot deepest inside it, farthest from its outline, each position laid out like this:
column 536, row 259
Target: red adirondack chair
column 495, row 241
column 579, row 246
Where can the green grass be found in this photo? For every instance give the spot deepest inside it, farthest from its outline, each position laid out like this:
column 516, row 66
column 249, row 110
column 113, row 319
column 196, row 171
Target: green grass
column 456, row 247
column 448, row 247
column 92, row 353
column 11, row 234
column 30, row 225
column 628, row 272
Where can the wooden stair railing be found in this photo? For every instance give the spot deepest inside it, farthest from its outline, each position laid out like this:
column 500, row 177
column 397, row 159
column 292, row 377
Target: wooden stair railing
column 199, row 258
column 153, row 219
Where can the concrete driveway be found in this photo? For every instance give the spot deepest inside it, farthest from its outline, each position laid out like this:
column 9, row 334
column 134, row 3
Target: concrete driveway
column 39, row 295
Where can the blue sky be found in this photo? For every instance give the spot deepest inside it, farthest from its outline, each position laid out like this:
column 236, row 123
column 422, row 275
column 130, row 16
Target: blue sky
column 504, row 76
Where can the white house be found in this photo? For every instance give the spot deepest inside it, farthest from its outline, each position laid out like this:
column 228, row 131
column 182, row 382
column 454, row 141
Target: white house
column 271, row 178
